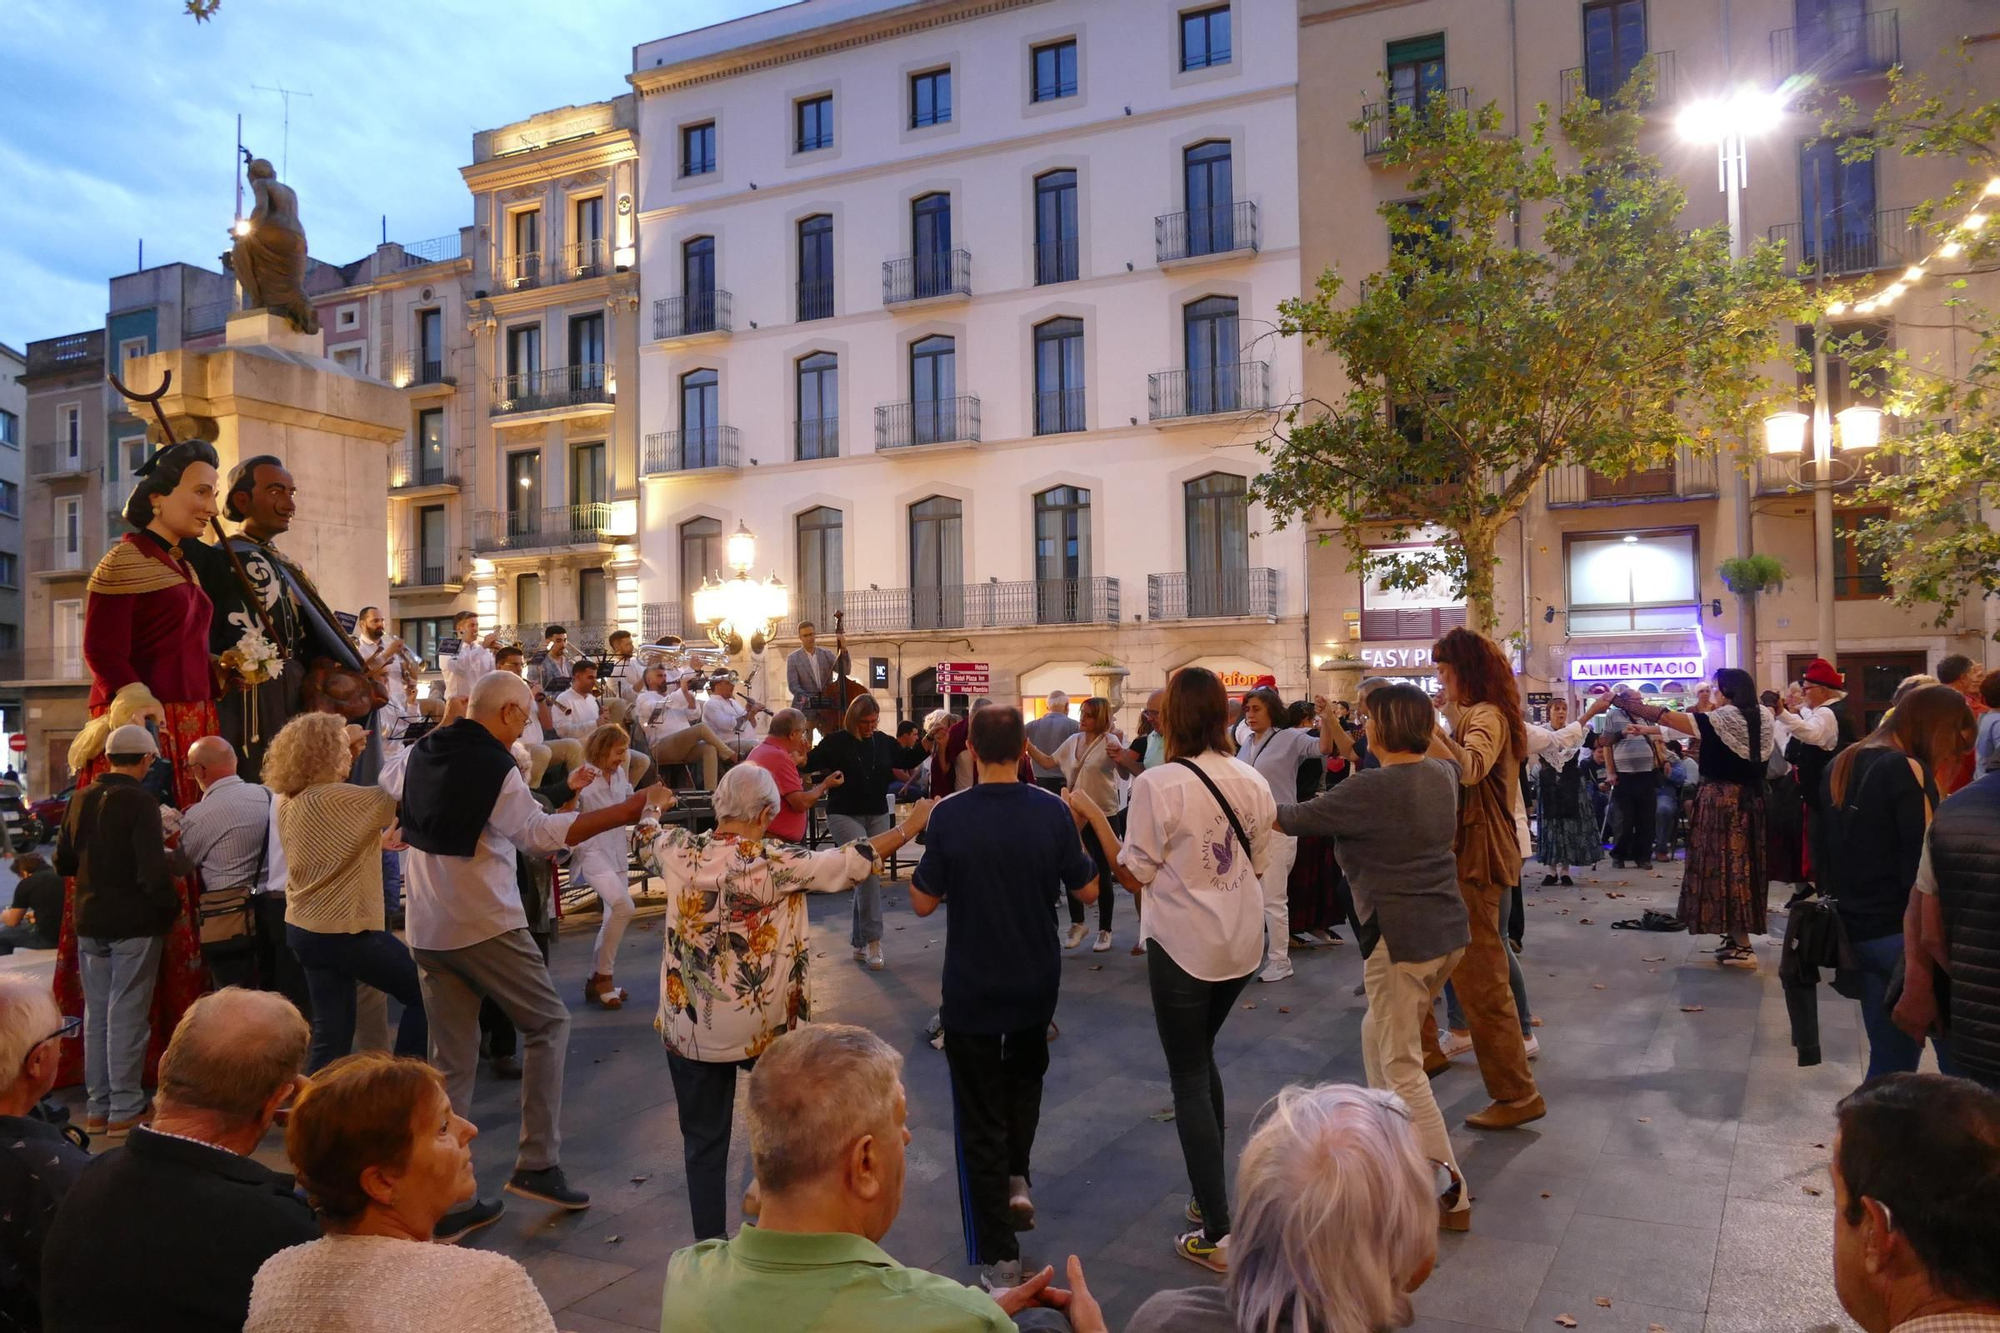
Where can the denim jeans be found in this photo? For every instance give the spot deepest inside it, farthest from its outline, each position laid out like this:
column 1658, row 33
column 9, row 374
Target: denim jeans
column 23, row 936
column 392, row 886
column 1189, row 1012
column 867, row 928
column 1890, row 1050
column 705, row 1098
column 118, row 978
column 333, row 963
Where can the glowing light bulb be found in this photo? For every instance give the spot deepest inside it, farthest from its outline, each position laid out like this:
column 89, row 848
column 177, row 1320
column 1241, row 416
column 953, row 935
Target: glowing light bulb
column 1973, row 222
column 1950, row 250
column 1993, row 186
column 1891, row 292
column 1913, row 273
column 1836, row 307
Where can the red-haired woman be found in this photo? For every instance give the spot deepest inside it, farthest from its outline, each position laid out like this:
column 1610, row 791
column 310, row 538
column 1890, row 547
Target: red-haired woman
column 1488, row 744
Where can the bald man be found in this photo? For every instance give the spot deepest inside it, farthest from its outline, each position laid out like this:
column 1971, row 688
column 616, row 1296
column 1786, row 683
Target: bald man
column 227, row 837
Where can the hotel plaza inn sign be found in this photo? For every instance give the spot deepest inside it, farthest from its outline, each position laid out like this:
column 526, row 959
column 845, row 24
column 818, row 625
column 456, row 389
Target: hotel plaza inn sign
column 1614, row 669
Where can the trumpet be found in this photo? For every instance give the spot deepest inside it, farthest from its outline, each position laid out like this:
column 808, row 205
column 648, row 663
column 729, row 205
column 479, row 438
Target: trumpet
column 674, row 653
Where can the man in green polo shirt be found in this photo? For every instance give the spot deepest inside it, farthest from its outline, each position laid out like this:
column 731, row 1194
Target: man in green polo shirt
column 827, row 1139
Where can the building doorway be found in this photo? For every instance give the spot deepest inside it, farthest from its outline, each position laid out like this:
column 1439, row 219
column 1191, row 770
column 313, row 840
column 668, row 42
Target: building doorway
column 1872, row 679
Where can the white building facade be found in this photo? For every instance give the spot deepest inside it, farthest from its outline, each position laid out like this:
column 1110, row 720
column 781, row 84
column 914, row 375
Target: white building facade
column 965, row 310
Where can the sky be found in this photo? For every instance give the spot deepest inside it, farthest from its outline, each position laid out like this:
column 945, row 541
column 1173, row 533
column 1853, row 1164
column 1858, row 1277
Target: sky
column 118, row 122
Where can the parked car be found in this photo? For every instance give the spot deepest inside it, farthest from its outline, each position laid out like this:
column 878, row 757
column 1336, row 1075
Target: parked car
column 49, row 811
column 20, row 824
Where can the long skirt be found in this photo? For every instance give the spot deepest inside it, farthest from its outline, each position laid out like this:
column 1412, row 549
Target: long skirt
column 1566, row 832
column 1724, row 889
column 1317, row 892
column 183, row 975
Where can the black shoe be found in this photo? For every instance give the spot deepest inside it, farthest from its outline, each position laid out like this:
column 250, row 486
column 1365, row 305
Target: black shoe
column 1616, row 864
column 549, row 1186
column 454, row 1226
column 1548, row 880
column 1645, row 865
column 506, row 1066
column 1568, row 883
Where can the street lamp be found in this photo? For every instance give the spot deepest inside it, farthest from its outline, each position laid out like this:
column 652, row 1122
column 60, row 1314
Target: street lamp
column 741, row 607
column 1785, row 434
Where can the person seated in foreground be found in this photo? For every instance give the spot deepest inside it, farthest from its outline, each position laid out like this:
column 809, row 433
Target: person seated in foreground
column 1335, row 1222
column 383, row 1158
column 39, row 1161
column 168, row 1231
column 1916, row 1189
column 827, row 1138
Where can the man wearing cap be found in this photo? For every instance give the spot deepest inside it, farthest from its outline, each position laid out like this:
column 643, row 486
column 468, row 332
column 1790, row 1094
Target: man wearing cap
column 1815, row 728
column 114, row 845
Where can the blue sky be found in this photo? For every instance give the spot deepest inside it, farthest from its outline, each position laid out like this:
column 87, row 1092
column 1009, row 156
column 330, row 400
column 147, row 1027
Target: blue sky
column 118, row 121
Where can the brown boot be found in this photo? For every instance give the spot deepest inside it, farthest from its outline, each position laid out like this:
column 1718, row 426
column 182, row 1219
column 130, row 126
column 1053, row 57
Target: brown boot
column 1435, row 1063
column 1501, row 1115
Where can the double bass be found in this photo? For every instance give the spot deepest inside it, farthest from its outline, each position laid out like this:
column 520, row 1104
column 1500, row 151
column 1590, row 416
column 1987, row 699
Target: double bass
column 841, row 691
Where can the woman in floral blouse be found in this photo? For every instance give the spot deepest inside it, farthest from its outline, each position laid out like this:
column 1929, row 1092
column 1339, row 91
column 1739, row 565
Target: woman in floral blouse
column 733, row 978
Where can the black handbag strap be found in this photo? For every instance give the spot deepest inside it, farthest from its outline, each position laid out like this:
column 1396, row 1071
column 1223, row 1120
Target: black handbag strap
column 264, row 847
column 1215, row 791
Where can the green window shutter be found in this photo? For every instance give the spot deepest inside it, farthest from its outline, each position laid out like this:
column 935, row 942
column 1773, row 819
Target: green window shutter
column 1413, row 49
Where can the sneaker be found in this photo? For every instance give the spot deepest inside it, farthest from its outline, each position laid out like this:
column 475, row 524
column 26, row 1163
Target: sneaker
column 1001, row 1276
column 548, row 1185
column 1210, row 1254
column 875, row 963
column 456, row 1225
column 860, row 954
column 1075, row 936
column 1020, row 1208
column 1193, row 1212
column 1534, row 1045
column 1275, row 972
column 1454, row 1043
column 1103, row 944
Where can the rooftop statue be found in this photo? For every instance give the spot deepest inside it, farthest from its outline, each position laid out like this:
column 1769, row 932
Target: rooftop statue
column 269, row 257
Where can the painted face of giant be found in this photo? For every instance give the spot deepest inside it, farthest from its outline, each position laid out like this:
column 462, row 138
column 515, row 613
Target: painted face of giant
column 190, row 506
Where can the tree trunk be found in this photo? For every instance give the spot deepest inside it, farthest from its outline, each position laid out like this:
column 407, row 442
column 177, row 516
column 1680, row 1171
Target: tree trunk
column 1480, row 615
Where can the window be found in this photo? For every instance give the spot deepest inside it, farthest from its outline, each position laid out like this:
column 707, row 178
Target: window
column 586, row 351
column 129, row 350
column 524, row 483
column 1831, row 36
column 10, row 637
column 937, row 564
column 821, row 570
column 430, row 346
column 1209, row 333
column 816, row 267
column 819, row 406
column 1614, row 42
column 1622, row 582
column 698, row 284
column 815, row 123
column 698, row 149
column 524, row 352
column 525, row 261
column 1062, row 555
column 528, row 601
column 930, row 242
column 10, row 499
column 10, row 570
column 1055, row 227
column 68, row 635
column 69, row 422
column 1211, row 198
column 1837, row 228
column 1205, row 38
column 1416, row 70
column 701, row 429
column 593, row 603
column 69, row 532
column 349, row 359
column 1218, row 545
column 701, row 547
column 1858, row 573
column 933, row 386
column 1055, row 70
column 128, row 455
column 421, row 635
column 430, row 447
column 1059, row 376
column 433, row 547
column 10, row 429
column 1424, row 612
column 930, row 98
column 587, row 252
column 1411, row 239
column 587, row 480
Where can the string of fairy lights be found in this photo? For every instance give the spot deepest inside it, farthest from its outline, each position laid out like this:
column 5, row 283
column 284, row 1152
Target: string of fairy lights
column 1956, row 239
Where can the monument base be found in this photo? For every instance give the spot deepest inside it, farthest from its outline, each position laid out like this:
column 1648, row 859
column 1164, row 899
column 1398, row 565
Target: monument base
column 268, row 328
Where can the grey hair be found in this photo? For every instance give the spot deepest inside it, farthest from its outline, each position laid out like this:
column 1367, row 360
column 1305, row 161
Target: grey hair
column 28, row 1017
column 1361, row 692
column 786, row 722
column 495, row 690
column 745, row 793
column 937, row 717
column 1336, row 1211
column 814, row 1092
column 1058, row 698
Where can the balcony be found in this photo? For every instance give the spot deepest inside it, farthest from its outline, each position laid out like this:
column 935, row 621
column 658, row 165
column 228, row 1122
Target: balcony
column 437, row 250
column 412, row 470
column 1017, row 604
column 1854, row 242
column 210, row 317
column 1603, row 82
column 585, row 259
column 543, row 529
column 1690, row 476
column 931, row 421
column 421, row 368
column 520, row 270
column 563, row 389
column 60, row 459
column 592, row 638
column 1206, row 233
column 940, row 275
column 1059, row 411
column 1379, row 119
column 696, row 315
column 1213, row 391
column 411, row 570
column 1056, row 261
column 1838, row 48
column 816, row 298
column 52, row 558
column 816, row 437
column 703, row 449
column 659, row 619
column 1212, row 595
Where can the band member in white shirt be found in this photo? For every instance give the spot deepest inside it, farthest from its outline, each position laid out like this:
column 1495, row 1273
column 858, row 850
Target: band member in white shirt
column 573, row 714
column 472, row 661
column 385, row 656
column 543, row 749
column 559, row 660
column 625, row 671
column 671, row 719
column 730, row 718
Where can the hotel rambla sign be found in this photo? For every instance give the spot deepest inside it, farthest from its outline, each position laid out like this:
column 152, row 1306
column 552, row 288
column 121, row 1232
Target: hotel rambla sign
column 1612, row 669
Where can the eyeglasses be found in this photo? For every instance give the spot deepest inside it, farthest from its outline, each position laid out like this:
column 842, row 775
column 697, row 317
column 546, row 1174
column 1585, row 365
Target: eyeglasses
column 71, row 1025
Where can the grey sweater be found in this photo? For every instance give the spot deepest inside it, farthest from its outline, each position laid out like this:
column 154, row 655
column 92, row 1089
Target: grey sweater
column 1392, row 829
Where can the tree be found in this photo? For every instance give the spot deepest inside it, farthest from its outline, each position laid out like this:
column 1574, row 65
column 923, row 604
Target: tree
column 1535, row 312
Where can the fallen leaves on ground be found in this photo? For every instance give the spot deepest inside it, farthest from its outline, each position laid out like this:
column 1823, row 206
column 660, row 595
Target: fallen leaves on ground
column 1694, row 1008
column 1645, row 1120
column 1598, row 985
column 1566, row 1320
column 613, row 1240
column 1545, row 1194
column 1813, row 1190
column 1604, row 1301
column 1284, row 1008
column 1656, row 1328
column 1164, row 1115
column 640, row 1180
column 1097, row 967
column 1585, row 921
column 1250, row 1004
column 1656, row 958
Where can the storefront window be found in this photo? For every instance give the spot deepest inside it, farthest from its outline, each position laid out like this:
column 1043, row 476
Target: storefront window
column 1622, row 583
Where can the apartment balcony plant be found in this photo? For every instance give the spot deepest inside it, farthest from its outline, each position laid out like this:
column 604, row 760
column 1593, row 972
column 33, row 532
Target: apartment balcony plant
column 1748, row 575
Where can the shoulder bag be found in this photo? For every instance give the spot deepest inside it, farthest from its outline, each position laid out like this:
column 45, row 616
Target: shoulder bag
column 228, row 921
column 1215, row 791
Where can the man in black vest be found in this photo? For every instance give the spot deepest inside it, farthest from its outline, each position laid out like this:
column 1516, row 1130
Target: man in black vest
column 1958, row 919
column 1816, row 726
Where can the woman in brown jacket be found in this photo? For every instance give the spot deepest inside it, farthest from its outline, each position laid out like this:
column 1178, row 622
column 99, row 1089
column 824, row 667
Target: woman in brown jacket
column 1488, row 744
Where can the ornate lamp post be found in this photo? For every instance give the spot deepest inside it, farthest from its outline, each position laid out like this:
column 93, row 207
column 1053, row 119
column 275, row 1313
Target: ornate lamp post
column 1785, row 437
column 740, row 607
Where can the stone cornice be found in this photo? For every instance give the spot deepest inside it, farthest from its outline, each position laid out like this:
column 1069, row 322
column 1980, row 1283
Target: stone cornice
column 1351, row 8
column 545, row 164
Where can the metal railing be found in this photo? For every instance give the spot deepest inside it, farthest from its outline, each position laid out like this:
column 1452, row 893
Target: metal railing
column 521, row 270
column 927, row 421
column 659, row 619
column 51, row 555
column 932, row 273
column 816, row 437
column 198, row 321
column 1689, row 476
column 539, row 529
column 816, row 298
column 423, row 569
column 1838, row 47
column 1056, row 261
column 590, row 638
column 585, row 259
column 60, row 458
column 697, row 450
column 421, row 366
column 1058, row 411
column 1234, row 386
column 1380, row 122
column 562, row 386
column 409, row 467
column 436, row 250
column 1211, row 594
column 1603, row 82
column 1013, row 604
column 709, row 311
column 1854, row 242
column 1218, row 230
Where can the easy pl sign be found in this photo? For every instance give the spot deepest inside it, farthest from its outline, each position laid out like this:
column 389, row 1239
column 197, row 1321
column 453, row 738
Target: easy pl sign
column 964, row 677
column 1611, row 670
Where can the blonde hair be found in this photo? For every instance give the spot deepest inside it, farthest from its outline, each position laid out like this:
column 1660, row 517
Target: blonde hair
column 309, row 751
column 814, row 1092
column 598, row 745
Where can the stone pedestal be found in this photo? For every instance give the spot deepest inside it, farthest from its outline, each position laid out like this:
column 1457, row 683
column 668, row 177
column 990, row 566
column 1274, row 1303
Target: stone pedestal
column 268, row 390
column 1107, row 681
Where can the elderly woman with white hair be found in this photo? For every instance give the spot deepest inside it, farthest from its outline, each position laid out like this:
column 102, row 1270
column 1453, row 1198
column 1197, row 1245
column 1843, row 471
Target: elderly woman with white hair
column 1335, row 1222
column 733, row 977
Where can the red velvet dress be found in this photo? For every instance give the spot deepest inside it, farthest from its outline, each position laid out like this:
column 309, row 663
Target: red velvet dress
column 146, row 619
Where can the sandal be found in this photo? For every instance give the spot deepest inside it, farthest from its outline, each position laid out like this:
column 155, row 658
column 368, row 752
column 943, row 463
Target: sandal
column 1738, row 958
column 599, row 991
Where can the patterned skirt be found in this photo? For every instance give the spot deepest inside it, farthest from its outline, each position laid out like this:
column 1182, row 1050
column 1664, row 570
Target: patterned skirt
column 1317, row 895
column 1725, row 889
column 1566, row 826
column 183, row 975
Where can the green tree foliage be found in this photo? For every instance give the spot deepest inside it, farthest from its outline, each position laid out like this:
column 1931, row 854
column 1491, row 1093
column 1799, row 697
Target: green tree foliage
column 1540, row 308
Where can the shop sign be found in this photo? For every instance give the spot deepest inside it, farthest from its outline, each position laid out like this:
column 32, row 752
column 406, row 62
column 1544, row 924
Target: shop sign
column 1397, row 659
column 1612, row 669
column 1239, row 680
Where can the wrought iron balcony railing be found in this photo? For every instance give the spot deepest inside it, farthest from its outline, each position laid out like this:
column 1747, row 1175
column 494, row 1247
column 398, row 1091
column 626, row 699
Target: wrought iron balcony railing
column 816, row 298
column 424, row 569
column 1689, row 476
column 424, row 365
column 540, row 529
column 932, row 273
column 1853, row 242
column 436, row 250
column 1379, row 122
column 695, row 313
column 926, row 421
column 586, row 385
column 1011, row 604
column 1838, row 48
column 411, row 465
column 701, row 449
column 659, row 619
column 521, row 270
column 1212, row 594
column 1204, row 391
column 586, row 259
column 1604, row 80
column 1219, row 230
column 816, row 437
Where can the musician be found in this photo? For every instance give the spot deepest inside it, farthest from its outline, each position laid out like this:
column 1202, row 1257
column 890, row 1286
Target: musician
column 573, row 714
column 670, row 717
column 473, row 660
column 385, row 657
column 810, row 670
column 730, row 718
column 625, row 672
column 558, row 665
column 545, row 753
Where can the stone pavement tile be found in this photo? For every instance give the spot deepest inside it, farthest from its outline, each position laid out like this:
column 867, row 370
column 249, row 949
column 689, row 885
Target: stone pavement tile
column 1509, row 1202
column 633, row 1300
column 1783, row 1103
column 1121, row 1288
column 1426, row 1324
column 1716, row 1038
column 1783, row 1173
column 567, row 1278
column 1484, row 1278
column 569, row 1321
column 1147, row 1240
column 1620, row 1317
column 1682, row 1115
column 1654, row 1189
column 1576, row 1056
column 1774, row 1271
column 1653, row 1263
column 1567, row 1141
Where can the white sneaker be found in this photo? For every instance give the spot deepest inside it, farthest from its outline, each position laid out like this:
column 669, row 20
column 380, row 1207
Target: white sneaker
column 860, row 954
column 1075, row 936
column 1451, row 1043
column 875, row 963
column 1002, row 1276
column 1103, row 944
column 1534, row 1045
column 1275, row 972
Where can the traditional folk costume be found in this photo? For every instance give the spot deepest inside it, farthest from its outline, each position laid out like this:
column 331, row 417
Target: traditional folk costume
column 145, row 640
column 1725, row 889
